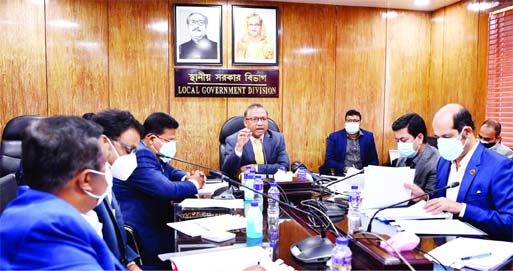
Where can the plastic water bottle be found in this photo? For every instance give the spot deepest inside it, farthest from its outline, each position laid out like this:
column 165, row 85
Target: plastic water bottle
column 354, row 220
column 355, row 198
column 273, row 215
column 341, row 255
column 280, row 175
column 254, row 225
column 258, row 185
column 248, row 181
column 301, row 174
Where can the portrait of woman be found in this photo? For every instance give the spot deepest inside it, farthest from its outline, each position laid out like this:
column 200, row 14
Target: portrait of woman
column 253, row 43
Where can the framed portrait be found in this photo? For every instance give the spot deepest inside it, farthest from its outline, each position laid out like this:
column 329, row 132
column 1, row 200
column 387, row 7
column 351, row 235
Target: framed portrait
column 198, row 34
column 255, row 35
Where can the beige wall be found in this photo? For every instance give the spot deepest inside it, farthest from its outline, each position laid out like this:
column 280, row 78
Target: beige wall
column 108, row 58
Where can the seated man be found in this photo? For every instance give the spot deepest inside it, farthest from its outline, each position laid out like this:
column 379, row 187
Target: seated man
column 410, row 134
column 349, row 147
column 146, row 196
column 121, row 135
column 262, row 149
column 490, row 136
column 43, row 228
column 484, row 197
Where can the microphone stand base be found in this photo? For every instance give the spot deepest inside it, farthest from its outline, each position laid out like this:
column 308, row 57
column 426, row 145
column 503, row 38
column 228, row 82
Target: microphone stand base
column 313, row 249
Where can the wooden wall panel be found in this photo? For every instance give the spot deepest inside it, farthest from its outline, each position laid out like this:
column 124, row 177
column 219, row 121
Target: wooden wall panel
column 308, row 80
column 360, row 68
column 22, row 60
column 138, row 56
column 436, row 95
column 77, row 56
column 479, row 112
column 407, row 70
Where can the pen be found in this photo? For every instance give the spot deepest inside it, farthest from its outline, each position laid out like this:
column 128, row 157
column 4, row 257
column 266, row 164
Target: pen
column 477, row 256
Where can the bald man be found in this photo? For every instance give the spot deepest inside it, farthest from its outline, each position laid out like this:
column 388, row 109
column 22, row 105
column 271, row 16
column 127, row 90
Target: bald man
column 490, row 137
column 484, row 197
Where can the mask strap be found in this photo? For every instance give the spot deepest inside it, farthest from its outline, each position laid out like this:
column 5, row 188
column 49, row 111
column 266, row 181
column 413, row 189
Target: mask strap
column 112, row 145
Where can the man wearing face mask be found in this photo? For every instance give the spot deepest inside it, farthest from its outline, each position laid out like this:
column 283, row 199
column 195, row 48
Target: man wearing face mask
column 484, row 197
column 146, row 195
column 410, row 134
column 121, row 135
column 490, row 137
column 43, row 228
column 349, row 147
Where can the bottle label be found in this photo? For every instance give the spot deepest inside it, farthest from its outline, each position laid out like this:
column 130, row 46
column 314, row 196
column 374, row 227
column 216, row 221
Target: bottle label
column 258, row 186
column 342, row 263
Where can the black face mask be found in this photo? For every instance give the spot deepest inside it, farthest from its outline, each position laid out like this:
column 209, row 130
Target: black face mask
column 489, row 145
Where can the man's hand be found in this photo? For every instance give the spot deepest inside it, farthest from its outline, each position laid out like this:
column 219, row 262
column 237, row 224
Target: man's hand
column 242, row 139
column 198, row 176
column 415, row 192
column 438, row 205
column 243, row 168
column 132, row 266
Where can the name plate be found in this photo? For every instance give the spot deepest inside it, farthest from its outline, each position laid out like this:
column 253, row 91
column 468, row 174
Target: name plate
column 226, row 83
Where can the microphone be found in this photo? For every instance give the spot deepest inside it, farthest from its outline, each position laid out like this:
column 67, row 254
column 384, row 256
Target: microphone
column 345, row 178
column 311, row 250
column 451, row 185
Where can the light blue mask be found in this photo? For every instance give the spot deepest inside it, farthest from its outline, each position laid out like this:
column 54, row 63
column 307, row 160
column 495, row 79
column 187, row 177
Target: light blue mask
column 451, row 148
column 168, row 149
column 406, row 149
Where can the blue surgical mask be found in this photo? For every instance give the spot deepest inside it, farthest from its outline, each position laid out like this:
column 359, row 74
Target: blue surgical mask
column 352, row 127
column 406, row 149
column 104, row 194
column 168, row 149
column 451, row 148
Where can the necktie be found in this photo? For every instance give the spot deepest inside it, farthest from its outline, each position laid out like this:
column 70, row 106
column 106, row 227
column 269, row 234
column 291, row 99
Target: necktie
column 259, row 155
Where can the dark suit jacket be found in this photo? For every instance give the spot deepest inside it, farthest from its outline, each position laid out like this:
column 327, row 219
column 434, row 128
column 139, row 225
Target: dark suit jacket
column 275, row 154
column 145, row 198
column 336, row 150
column 487, row 189
column 191, row 49
column 425, row 167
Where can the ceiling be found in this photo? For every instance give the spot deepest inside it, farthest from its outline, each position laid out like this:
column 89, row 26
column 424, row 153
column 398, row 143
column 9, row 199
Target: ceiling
column 394, row 4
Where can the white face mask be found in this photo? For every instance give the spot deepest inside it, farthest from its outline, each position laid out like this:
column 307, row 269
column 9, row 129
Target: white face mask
column 104, row 194
column 352, row 127
column 451, row 148
column 124, row 165
column 167, row 149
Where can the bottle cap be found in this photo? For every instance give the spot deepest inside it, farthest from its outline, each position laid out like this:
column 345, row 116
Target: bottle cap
column 248, row 167
column 254, row 203
column 303, row 168
column 342, row 241
column 282, row 168
column 273, row 184
column 354, row 187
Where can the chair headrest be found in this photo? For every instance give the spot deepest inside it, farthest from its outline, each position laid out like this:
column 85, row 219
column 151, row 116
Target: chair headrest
column 14, row 128
column 236, row 123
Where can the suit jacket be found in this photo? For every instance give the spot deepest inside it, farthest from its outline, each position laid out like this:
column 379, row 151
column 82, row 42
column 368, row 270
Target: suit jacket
column 191, row 49
column 113, row 230
column 41, row 231
column 425, row 168
column 145, row 198
column 502, row 149
column 336, row 150
column 487, row 189
column 274, row 149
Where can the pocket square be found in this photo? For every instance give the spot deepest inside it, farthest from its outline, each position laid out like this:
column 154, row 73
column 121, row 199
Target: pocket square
column 478, row 192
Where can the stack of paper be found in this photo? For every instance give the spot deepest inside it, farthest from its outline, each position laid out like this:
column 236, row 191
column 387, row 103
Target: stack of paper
column 438, row 227
column 472, row 253
column 415, row 211
column 384, row 186
column 200, row 226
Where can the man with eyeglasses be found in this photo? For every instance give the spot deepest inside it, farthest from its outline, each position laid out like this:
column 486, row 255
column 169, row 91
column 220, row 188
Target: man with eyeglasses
column 199, row 46
column 255, row 146
column 349, row 147
column 65, row 170
column 146, row 195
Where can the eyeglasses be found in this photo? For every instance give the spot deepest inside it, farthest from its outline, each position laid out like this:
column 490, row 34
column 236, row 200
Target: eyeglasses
column 198, row 22
column 352, row 120
column 256, row 119
column 128, row 149
column 166, row 139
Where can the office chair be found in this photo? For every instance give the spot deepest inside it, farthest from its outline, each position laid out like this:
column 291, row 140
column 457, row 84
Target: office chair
column 233, row 125
column 134, row 241
column 431, row 140
column 8, row 190
column 10, row 148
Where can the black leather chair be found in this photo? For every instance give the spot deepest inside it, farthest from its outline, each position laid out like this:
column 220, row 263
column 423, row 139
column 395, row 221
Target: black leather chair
column 134, row 241
column 10, row 148
column 8, row 190
column 232, row 125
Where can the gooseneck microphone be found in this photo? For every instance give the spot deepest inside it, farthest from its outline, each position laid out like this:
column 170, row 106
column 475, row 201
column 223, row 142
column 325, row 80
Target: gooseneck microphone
column 345, row 178
column 451, row 185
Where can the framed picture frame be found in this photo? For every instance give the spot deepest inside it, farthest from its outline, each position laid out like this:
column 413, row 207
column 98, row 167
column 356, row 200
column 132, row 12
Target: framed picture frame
column 254, row 35
column 198, row 34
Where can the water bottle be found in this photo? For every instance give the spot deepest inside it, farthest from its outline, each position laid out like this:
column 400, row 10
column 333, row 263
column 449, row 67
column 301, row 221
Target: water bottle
column 354, row 198
column 258, row 185
column 281, row 175
column 301, row 174
column 273, row 215
column 341, row 255
column 254, row 225
column 248, row 181
column 354, row 220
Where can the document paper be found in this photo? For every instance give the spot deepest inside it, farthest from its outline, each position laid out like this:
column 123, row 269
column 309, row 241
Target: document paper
column 197, row 227
column 384, row 186
column 439, row 227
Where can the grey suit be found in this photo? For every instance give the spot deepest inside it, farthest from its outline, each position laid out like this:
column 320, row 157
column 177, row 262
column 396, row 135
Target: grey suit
column 425, row 164
column 502, row 149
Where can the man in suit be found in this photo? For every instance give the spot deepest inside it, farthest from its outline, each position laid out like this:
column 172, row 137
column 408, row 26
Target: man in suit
column 146, row 196
column 66, row 176
column 490, row 137
column 410, row 134
column 484, row 197
column 350, row 147
column 121, row 135
column 255, row 146
column 199, row 46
